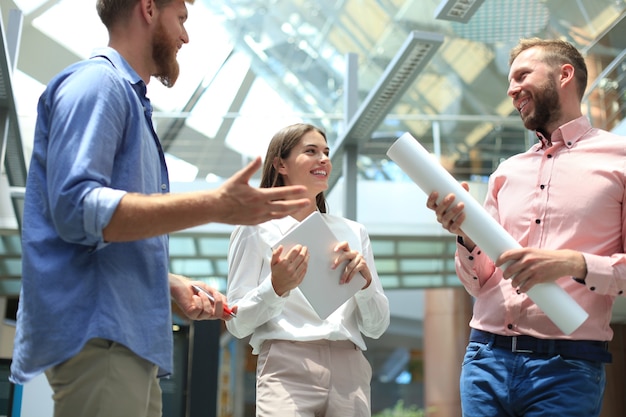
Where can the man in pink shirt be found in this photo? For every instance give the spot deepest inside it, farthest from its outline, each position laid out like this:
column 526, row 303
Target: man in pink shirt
column 564, row 201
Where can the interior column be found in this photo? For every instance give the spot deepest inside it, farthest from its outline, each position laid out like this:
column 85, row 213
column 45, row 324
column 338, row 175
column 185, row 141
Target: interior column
column 446, row 331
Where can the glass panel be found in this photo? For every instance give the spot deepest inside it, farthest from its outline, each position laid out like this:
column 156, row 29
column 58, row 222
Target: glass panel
column 252, row 131
column 449, row 264
column 192, row 267
column 182, row 246
column 10, row 245
column 383, row 247
column 61, row 23
column 415, row 248
column 216, row 282
column 208, row 113
column 452, row 281
column 389, row 281
column 221, row 266
column 10, row 267
column 386, row 265
column 216, row 246
column 27, row 6
column 425, row 281
column 421, row 265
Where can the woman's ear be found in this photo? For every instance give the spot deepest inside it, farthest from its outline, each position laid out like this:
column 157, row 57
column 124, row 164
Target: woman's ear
column 279, row 166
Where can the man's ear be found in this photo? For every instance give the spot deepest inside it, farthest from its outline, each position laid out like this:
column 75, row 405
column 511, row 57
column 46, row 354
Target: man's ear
column 147, row 9
column 567, row 74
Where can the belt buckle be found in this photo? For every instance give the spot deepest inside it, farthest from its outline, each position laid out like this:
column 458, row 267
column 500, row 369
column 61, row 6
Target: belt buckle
column 514, row 346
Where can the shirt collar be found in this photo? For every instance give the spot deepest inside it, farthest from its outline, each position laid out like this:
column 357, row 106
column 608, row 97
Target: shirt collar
column 567, row 134
column 285, row 224
column 119, row 63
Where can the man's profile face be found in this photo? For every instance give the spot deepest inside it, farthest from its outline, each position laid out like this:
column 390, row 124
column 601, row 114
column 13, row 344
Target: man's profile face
column 534, row 91
column 547, row 107
column 164, row 52
column 169, row 36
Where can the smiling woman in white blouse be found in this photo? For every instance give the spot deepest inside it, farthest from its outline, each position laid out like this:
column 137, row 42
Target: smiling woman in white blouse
column 307, row 366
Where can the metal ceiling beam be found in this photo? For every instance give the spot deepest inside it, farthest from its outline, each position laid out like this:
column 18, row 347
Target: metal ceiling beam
column 171, row 133
column 11, row 149
column 457, row 10
column 411, row 59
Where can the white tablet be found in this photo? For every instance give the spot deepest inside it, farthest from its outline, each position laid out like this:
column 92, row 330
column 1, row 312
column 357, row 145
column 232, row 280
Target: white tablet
column 321, row 285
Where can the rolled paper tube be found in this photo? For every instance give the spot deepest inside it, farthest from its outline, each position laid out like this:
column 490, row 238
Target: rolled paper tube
column 482, row 228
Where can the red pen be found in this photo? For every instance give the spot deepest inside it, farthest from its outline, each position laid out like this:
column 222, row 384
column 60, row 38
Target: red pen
column 205, row 292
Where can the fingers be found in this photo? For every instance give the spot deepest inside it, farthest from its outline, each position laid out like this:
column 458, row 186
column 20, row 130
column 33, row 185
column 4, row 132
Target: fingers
column 342, row 247
column 355, row 263
column 210, row 303
column 518, row 266
column 244, row 174
column 448, row 214
column 288, row 192
column 285, row 200
column 289, row 271
column 431, row 203
column 344, row 254
column 297, row 254
column 273, row 203
column 242, row 204
column 276, row 255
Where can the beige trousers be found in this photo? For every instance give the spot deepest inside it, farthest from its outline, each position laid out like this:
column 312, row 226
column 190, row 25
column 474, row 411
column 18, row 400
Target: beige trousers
column 312, row 379
column 105, row 379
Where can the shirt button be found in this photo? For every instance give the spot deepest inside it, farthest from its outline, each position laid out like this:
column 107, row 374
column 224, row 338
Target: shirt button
column 477, row 278
column 620, row 292
column 542, row 186
column 471, row 258
column 164, row 186
column 538, row 221
column 592, row 288
column 478, row 253
column 549, row 155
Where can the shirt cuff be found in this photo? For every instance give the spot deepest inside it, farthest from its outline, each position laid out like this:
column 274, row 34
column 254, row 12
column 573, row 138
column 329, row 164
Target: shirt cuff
column 599, row 277
column 268, row 295
column 367, row 293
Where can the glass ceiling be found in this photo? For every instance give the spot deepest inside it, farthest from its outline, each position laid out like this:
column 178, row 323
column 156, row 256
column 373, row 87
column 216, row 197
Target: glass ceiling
column 254, row 66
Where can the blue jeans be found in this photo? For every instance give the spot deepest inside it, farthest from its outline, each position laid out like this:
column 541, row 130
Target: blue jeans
column 497, row 383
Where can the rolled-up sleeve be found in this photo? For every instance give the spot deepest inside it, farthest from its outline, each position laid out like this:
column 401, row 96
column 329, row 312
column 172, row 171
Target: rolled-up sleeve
column 81, row 194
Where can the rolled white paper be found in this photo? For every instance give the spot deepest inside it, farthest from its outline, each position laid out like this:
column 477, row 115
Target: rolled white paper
column 483, row 229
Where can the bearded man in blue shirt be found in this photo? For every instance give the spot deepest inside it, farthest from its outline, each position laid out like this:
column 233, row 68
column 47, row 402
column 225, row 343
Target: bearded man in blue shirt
column 94, row 311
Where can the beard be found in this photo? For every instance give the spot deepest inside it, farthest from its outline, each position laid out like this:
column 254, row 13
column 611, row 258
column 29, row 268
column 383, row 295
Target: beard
column 164, row 56
column 547, row 108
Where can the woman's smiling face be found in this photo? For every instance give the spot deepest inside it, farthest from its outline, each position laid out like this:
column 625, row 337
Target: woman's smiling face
column 308, row 164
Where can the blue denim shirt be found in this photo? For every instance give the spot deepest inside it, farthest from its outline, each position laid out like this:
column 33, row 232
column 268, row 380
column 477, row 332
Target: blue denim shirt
column 94, row 142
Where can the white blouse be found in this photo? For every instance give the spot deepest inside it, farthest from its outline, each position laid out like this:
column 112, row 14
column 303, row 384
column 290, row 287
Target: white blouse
column 265, row 315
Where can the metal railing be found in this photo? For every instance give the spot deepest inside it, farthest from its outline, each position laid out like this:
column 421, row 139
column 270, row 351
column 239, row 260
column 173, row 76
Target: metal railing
column 605, row 99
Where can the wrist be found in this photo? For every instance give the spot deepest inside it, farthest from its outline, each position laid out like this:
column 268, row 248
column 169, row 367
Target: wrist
column 467, row 245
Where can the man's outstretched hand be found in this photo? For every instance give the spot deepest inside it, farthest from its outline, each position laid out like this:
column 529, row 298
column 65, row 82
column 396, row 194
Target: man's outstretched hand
column 242, row 204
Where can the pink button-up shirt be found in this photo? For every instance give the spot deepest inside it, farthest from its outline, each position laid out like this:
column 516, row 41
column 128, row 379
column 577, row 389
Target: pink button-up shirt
column 570, row 195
